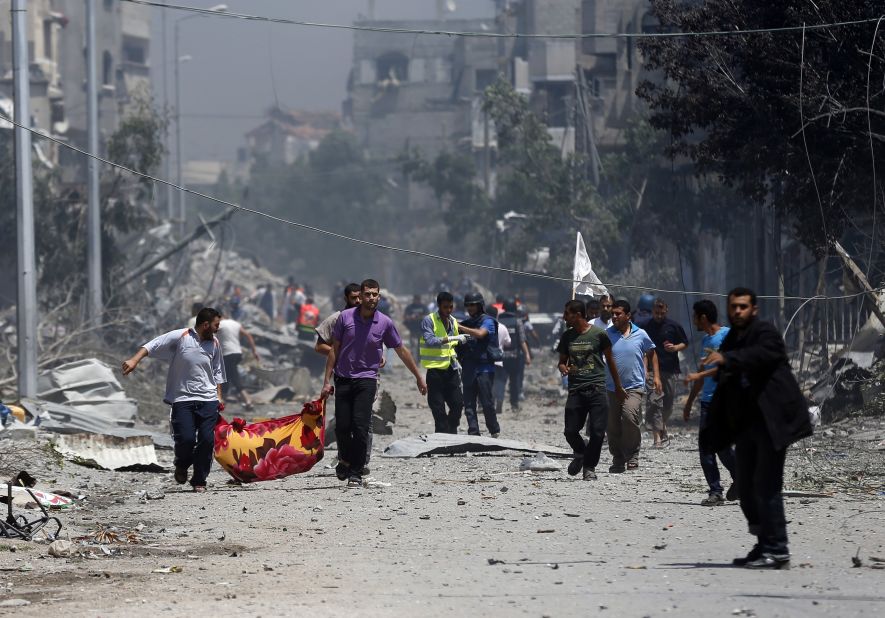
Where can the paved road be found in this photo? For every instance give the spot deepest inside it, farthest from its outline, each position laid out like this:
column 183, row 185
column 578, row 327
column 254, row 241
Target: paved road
column 466, row 535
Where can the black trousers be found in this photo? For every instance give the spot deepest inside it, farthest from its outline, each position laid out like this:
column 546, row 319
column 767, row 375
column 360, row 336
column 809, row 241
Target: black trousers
column 444, row 389
column 353, row 418
column 514, row 369
column 589, row 403
column 760, row 477
column 479, row 386
column 232, row 371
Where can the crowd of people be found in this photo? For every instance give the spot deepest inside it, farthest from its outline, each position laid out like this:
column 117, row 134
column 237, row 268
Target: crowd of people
column 615, row 363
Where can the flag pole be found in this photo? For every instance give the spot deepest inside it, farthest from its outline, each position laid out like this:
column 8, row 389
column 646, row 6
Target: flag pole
column 577, row 245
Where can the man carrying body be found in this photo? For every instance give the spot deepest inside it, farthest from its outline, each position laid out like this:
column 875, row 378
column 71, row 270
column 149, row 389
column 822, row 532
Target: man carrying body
column 358, row 339
column 669, row 339
column 758, row 406
column 478, row 365
column 229, row 334
column 324, row 346
column 193, row 389
column 706, row 321
column 632, row 350
column 437, row 354
column 581, row 350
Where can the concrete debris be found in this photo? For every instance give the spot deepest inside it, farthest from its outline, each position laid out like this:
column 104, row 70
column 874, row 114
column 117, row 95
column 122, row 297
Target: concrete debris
column 450, row 444
column 539, row 463
column 19, row 431
column 130, row 454
column 274, row 394
column 91, row 386
column 384, row 415
column 61, row 549
column 14, row 603
column 63, row 419
column 848, row 387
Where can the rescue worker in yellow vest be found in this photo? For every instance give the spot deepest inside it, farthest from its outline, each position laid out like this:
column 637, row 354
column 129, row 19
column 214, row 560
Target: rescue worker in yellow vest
column 439, row 336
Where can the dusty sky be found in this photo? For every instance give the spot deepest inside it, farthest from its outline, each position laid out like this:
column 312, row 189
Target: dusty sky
column 238, row 69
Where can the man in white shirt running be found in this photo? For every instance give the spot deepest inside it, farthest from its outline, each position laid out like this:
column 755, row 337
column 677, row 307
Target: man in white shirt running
column 229, row 333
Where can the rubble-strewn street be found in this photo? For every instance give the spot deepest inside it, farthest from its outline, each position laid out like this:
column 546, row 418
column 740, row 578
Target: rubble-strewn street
column 460, row 535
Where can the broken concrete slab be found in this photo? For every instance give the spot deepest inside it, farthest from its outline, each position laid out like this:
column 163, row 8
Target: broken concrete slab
column 539, row 463
column 17, row 430
column 384, row 415
column 58, row 418
column 451, row 444
column 130, row 454
column 274, row 394
column 88, row 385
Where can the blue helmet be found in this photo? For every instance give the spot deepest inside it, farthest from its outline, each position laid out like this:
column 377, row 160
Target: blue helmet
column 646, row 302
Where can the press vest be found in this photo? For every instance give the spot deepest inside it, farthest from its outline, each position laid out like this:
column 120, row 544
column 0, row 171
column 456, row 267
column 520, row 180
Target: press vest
column 437, row 357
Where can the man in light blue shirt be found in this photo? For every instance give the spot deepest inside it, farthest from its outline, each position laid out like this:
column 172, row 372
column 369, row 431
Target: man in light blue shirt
column 193, row 389
column 706, row 317
column 632, row 350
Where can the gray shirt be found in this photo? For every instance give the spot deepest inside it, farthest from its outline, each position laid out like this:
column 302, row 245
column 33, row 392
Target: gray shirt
column 324, row 330
column 196, row 367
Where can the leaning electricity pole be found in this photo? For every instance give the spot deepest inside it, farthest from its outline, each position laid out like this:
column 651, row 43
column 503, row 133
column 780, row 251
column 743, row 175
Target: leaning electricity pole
column 93, row 218
column 26, row 303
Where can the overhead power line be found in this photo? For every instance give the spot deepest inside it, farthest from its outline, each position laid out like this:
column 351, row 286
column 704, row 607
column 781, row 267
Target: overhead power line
column 403, row 250
column 497, row 35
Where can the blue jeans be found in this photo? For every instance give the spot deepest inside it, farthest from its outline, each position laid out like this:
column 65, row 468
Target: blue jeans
column 193, row 432
column 479, row 386
column 708, row 460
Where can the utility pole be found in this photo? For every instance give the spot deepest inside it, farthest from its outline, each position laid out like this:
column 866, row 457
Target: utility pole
column 26, row 303
column 93, row 218
column 167, row 162
column 181, row 194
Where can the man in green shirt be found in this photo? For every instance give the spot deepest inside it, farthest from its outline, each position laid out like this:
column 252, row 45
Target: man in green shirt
column 581, row 350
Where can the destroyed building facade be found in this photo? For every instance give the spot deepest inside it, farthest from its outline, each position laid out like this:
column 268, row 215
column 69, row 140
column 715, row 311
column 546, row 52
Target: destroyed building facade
column 57, row 53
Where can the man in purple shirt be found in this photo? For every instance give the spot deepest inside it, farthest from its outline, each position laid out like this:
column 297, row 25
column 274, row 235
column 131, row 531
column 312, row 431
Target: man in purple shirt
column 358, row 341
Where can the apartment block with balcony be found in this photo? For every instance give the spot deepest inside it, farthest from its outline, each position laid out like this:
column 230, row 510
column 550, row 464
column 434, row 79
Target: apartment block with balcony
column 57, row 53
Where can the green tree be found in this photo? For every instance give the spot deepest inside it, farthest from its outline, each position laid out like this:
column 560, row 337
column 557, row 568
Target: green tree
column 335, row 188
column 788, row 119
column 542, row 197
column 60, row 211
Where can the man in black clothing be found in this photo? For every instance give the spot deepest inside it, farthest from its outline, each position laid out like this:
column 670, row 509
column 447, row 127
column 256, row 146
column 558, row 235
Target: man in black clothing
column 669, row 339
column 516, row 356
column 757, row 405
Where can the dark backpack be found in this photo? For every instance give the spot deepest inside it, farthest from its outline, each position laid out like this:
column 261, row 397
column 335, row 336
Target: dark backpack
column 512, row 322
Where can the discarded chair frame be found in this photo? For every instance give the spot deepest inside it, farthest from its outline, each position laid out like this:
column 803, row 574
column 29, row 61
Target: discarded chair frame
column 18, row 526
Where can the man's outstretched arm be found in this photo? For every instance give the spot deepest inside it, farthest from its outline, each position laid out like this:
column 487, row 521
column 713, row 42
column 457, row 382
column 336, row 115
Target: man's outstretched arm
column 130, row 364
column 406, row 357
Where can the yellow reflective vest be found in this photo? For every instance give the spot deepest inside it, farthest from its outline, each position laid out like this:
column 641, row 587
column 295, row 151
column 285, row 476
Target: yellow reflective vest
column 437, row 357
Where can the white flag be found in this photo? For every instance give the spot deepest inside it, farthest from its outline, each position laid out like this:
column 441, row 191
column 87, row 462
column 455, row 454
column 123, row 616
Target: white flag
column 584, row 280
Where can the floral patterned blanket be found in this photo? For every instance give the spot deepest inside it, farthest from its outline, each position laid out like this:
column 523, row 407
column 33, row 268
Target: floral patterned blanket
column 271, row 449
